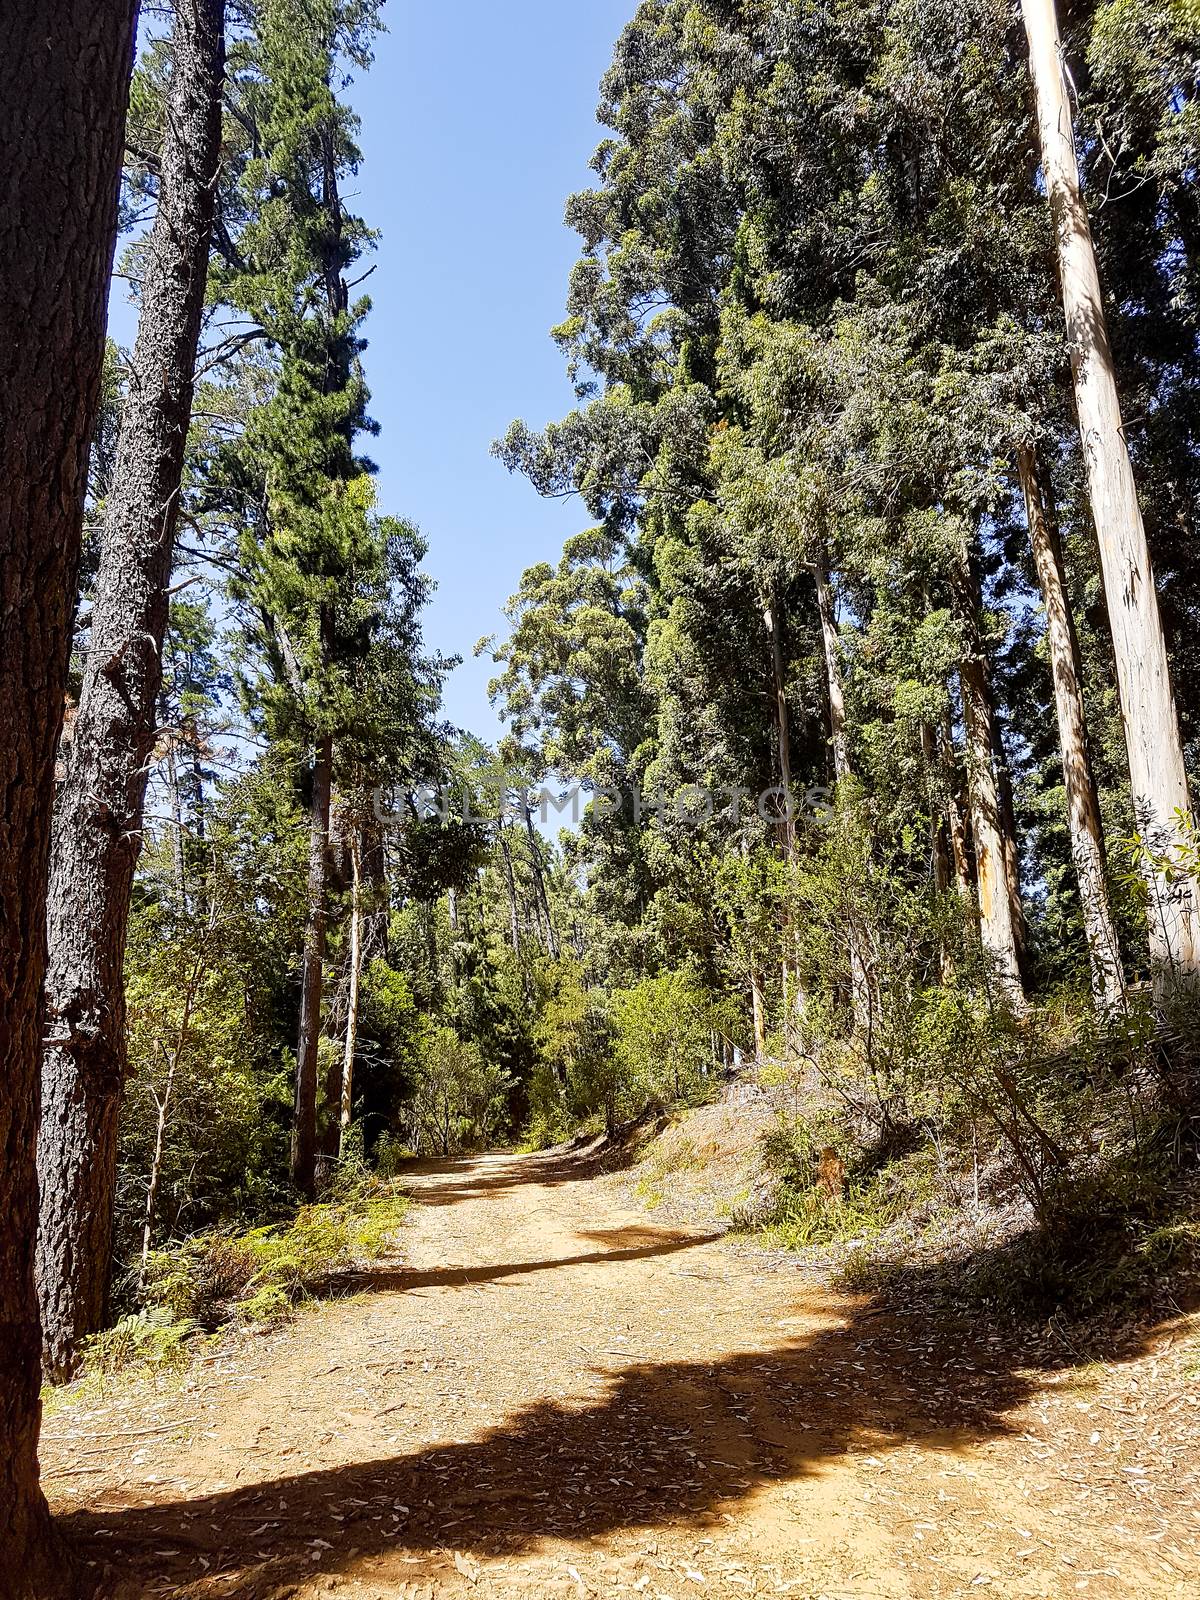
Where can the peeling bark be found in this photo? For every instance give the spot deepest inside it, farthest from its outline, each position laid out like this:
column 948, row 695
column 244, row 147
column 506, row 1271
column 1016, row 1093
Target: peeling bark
column 1157, row 773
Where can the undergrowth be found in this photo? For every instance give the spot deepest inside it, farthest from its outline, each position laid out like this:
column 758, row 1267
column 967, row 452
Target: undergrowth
column 1057, row 1180
column 218, row 1279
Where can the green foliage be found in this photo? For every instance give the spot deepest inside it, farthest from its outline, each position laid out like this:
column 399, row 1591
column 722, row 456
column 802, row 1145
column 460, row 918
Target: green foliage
column 458, row 1099
column 666, row 1030
column 216, row 1278
column 154, row 1340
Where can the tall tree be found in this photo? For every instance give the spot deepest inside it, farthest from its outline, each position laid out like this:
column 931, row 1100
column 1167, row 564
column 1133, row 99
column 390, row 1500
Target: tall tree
column 1083, row 806
column 1157, row 773
column 98, row 817
column 307, row 491
column 64, row 81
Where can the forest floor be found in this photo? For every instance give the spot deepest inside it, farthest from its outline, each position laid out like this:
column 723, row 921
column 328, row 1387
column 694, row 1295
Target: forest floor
column 551, row 1393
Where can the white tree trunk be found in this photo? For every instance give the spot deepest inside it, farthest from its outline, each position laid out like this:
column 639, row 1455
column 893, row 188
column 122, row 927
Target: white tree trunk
column 833, row 675
column 1083, row 811
column 860, row 984
column 997, row 922
column 1156, row 768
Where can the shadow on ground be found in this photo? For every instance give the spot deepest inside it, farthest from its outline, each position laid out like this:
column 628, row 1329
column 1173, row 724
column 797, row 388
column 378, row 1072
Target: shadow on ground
column 628, row 1244
column 672, row 1443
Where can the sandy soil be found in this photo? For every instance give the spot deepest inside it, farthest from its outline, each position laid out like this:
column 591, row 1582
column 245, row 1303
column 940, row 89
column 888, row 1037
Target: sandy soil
column 552, row 1394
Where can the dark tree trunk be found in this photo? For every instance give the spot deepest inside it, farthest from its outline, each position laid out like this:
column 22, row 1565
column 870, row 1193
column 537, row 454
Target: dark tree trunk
column 514, row 921
column 98, row 820
column 64, row 82
column 539, row 880
column 304, row 1132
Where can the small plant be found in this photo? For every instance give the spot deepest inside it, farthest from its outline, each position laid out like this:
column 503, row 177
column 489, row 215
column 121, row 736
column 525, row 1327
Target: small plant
column 257, row 1277
column 154, row 1339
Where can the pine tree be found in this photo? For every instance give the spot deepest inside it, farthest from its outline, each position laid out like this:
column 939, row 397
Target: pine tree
column 64, row 82
column 306, row 491
column 98, row 819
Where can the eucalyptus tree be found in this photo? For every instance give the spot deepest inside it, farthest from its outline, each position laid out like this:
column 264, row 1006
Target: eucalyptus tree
column 1158, row 772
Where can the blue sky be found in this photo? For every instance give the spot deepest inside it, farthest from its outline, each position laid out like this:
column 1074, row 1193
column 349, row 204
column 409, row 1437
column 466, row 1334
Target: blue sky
column 478, row 120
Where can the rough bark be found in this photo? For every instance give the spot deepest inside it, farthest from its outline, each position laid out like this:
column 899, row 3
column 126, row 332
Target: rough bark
column 1083, row 808
column 98, row 819
column 1158, row 777
column 64, row 78
column 998, row 929
column 312, row 979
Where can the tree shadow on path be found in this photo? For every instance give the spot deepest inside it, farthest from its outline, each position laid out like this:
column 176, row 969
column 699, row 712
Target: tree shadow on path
column 676, row 1443
column 629, row 1244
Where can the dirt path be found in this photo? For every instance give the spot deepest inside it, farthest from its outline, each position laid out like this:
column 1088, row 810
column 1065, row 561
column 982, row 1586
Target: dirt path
column 550, row 1395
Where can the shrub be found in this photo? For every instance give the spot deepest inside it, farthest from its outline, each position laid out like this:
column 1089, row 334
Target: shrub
column 255, row 1277
column 458, row 1099
column 154, row 1339
column 665, row 1028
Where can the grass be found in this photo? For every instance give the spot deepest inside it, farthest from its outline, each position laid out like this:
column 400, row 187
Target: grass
column 256, row 1278
column 663, row 1160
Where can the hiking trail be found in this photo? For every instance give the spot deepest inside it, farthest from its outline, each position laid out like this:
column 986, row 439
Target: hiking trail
column 547, row 1393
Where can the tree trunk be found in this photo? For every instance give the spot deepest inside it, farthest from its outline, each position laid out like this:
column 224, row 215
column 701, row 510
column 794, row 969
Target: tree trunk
column 860, row 985
column 356, row 918
column 759, row 1014
column 958, row 827
column 1083, row 809
column 539, row 878
column 787, row 830
column 1008, row 829
column 98, row 819
column 997, row 924
column 833, row 675
column 162, row 1106
column 64, row 79
column 304, row 1131
column 514, row 922
column 1158, row 777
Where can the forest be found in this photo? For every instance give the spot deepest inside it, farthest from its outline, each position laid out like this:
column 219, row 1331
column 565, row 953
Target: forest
column 846, row 751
